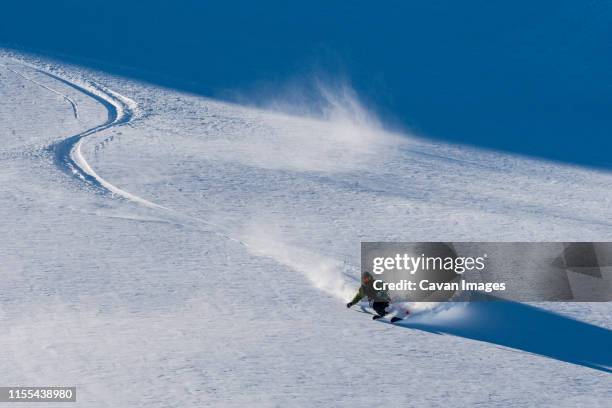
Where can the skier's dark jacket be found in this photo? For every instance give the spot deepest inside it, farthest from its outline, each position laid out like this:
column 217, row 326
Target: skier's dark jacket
column 367, row 290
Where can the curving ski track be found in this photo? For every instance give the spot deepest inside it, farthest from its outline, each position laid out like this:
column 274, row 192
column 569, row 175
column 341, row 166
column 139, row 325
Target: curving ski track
column 69, row 158
column 67, row 152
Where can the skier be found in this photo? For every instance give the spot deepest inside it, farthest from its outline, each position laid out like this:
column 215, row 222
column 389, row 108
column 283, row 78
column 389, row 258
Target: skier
column 379, row 298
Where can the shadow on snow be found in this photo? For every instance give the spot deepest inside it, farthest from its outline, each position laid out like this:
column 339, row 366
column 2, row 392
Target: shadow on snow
column 522, row 327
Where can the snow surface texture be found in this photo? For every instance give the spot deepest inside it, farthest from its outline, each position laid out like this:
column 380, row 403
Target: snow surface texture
column 163, row 249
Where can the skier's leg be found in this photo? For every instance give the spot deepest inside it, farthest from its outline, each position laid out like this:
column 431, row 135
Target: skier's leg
column 379, row 307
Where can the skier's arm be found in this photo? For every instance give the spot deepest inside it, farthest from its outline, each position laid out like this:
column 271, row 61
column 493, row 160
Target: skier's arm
column 360, row 294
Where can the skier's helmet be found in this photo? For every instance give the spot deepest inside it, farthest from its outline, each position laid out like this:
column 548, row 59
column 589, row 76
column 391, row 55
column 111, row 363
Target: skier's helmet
column 366, row 277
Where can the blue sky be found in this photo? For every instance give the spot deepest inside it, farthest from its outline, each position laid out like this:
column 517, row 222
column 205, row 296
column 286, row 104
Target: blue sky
column 528, row 77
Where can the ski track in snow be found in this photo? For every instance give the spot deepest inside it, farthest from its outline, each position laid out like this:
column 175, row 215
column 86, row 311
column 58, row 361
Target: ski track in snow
column 68, row 155
column 70, row 159
column 67, row 152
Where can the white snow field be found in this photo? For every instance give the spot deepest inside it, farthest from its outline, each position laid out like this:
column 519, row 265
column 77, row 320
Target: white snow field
column 161, row 249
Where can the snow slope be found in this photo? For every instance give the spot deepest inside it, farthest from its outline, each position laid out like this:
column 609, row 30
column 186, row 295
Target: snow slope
column 163, row 249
